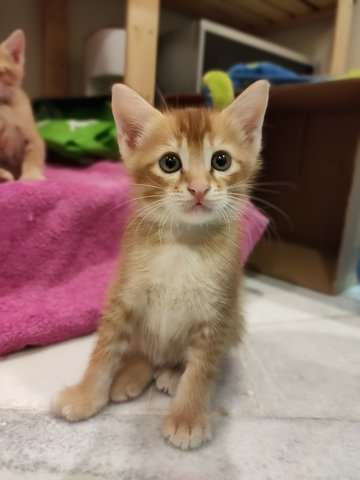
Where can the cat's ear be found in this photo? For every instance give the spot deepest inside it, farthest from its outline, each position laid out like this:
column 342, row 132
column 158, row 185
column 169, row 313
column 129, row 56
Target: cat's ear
column 248, row 111
column 132, row 115
column 15, row 46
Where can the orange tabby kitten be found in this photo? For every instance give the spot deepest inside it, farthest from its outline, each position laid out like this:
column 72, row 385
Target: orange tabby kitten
column 22, row 151
column 174, row 309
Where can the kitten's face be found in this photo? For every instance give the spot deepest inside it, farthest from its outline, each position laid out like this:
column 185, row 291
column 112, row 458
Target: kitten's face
column 191, row 166
column 11, row 63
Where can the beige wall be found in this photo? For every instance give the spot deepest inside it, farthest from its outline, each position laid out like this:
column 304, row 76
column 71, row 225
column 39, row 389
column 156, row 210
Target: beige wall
column 315, row 40
column 25, row 14
column 312, row 39
column 85, row 16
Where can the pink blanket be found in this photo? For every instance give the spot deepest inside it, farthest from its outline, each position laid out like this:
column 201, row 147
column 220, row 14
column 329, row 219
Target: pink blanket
column 59, row 241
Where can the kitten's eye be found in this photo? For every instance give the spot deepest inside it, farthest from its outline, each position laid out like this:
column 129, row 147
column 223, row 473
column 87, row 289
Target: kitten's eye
column 170, row 163
column 221, row 161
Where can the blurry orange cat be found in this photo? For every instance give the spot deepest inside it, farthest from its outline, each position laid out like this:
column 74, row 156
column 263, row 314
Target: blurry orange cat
column 22, row 151
column 174, row 308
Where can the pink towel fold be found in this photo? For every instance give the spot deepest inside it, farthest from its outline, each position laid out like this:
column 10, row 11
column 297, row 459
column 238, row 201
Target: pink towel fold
column 59, row 244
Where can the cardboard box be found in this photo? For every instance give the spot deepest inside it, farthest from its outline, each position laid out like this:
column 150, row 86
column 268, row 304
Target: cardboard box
column 312, row 174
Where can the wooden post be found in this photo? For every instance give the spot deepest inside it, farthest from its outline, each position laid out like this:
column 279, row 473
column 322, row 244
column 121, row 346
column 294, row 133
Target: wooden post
column 55, row 48
column 142, row 20
column 344, row 11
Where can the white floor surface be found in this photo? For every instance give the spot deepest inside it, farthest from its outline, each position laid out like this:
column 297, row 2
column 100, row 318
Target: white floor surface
column 286, row 407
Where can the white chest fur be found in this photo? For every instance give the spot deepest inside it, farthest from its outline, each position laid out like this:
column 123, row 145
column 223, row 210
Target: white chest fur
column 180, row 290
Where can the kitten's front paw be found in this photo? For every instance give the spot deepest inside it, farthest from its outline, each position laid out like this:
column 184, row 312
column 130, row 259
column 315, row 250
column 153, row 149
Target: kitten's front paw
column 185, row 431
column 5, row 176
column 77, row 403
column 35, row 175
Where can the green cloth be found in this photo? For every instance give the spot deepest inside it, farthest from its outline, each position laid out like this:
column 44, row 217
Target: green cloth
column 80, row 138
column 78, row 131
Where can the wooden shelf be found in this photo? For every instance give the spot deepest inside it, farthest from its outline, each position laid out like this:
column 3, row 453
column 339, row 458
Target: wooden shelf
column 254, row 16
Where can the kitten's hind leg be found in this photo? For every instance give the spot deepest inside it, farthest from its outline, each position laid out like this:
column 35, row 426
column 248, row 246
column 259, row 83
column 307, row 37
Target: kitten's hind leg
column 167, row 380
column 93, row 392
column 131, row 380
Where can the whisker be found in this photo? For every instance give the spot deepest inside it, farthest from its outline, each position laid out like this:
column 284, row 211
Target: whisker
column 226, row 216
column 145, row 216
column 157, row 184
column 163, row 100
column 148, row 185
column 265, row 202
column 144, row 197
column 267, row 190
column 276, row 209
column 117, row 207
column 162, row 224
column 263, row 184
column 144, row 212
column 274, row 184
column 271, row 230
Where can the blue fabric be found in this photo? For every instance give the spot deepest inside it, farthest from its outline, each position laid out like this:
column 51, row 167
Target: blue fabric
column 243, row 74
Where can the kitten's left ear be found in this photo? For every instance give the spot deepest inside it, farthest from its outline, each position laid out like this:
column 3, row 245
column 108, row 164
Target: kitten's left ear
column 15, row 45
column 248, row 111
column 132, row 115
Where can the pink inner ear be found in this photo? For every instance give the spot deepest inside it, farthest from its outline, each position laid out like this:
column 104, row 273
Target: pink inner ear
column 16, row 54
column 251, row 127
column 131, row 131
column 132, row 115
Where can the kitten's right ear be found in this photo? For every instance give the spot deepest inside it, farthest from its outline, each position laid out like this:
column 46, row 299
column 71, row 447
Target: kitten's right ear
column 15, row 46
column 248, row 110
column 132, row 115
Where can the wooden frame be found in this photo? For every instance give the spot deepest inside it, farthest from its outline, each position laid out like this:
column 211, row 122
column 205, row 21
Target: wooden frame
column 142, row 21
column 55, row 48
column 342, row 32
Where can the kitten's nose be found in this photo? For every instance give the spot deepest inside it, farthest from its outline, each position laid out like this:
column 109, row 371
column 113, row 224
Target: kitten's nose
column 198, row 190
